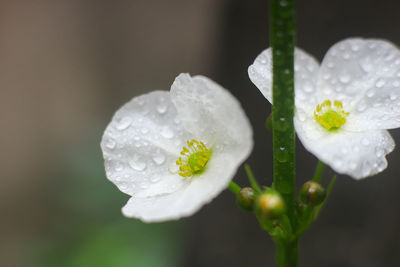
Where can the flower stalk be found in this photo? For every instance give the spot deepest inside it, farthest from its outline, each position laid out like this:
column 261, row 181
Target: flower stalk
column 282, row 40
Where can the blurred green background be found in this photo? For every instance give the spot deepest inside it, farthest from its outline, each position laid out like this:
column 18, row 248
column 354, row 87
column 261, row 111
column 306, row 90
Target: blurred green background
column 66, row 66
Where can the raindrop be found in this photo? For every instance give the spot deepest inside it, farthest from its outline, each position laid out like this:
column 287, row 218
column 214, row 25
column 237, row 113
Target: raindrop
column 396, row 83
column 110, row 144
column 173, row 168
column 379, row 152
column 370, row 93
column 137, row 164
column 167, row 133
column 392, row 96
column 361, row 106
column 159, row 158
column 365, row 141
column 155, row 178
column 123, row 123
column 282, row 155
column 345, row 78
column 162, row 107
column 144, row 130
column 380, row 83
column 118, row 167
column 281, row 125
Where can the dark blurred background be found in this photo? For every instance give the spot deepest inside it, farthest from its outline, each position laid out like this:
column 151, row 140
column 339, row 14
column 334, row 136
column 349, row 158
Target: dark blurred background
column 66, row 66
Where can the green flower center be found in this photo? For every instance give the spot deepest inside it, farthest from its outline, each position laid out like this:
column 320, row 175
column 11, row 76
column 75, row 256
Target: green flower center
column 194, row 158
column 331, row 117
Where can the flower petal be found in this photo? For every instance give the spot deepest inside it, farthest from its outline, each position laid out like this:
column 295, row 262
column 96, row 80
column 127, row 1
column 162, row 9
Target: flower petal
column 365, row 75
column 142, row 143
column 356, row 154
column 306, row 74
column 191, row 197
column 209, row 112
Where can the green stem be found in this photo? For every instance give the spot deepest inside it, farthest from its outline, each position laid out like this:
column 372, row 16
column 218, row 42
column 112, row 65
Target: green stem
column 234, row 187
column 252, row 178
column 282, row 38
column 287, row 253
column 319, row 171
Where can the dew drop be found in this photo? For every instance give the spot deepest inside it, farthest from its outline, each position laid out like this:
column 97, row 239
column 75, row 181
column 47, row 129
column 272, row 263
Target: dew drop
column 123, row 123
column 282, row 155
column 361, row 106
column 345, row 78
column 379, row 83
column 144, row 130
column 365, row 141
column 379, row 152
column 370, row 93
column 167, row 133
column 118, row 167
column 366, row 65
column 353, row 165
column 155, row 178
column 173, row 168
column 110, row 144
column 159, row 158
column 162, row 108
column 281, row 125
column 137, row 164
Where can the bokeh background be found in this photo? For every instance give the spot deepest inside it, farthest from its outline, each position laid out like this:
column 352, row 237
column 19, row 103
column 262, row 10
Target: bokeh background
column 67, row 65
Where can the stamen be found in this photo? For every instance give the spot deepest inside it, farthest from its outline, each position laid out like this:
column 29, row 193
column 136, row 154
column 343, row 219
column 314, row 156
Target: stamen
column 330, row 117
column 195, row 158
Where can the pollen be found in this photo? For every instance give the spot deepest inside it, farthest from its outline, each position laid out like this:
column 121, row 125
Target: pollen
column 331, row 117
column 194, row 158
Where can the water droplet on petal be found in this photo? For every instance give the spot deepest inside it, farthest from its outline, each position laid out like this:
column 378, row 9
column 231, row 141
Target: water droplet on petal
column 144, row 130
column 344, row 78
column 123, row 123
column 137, row 164
column 167, row 133
column 110, row 144
column 159, row 158
column 162, row 107
column 361, row 106
column 173, row 168
column 379, row 152
column 118, row 167
column 380, row 83
column 364, row 141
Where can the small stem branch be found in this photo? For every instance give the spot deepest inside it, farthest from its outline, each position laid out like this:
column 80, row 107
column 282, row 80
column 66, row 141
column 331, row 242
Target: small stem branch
column 234, row 187
column 252, row 178
column 319, row 171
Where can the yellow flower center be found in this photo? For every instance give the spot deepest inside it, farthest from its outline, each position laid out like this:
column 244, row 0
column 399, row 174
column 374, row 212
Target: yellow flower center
column 194, row 158
column 330, row 117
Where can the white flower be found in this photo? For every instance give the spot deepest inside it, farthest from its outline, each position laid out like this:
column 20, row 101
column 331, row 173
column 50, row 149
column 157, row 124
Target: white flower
column 175, row 151
column 344, row 105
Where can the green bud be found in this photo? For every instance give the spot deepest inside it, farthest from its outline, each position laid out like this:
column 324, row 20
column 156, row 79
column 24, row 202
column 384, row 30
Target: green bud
column 270, row 205
column 312, row 193
column 268, row 123
column 245, row 198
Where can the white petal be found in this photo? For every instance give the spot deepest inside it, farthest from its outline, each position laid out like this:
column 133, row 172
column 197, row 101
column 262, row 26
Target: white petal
column 142, row 143
column 365, row 75
column 306, row 74
column 209, row 112
column 190, row 198
column 356, row 154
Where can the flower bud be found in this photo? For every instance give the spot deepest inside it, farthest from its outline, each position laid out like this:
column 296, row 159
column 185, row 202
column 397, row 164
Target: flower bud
column 245, row 198
column 268, row 123
column 312, row 193
column 270, row 205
